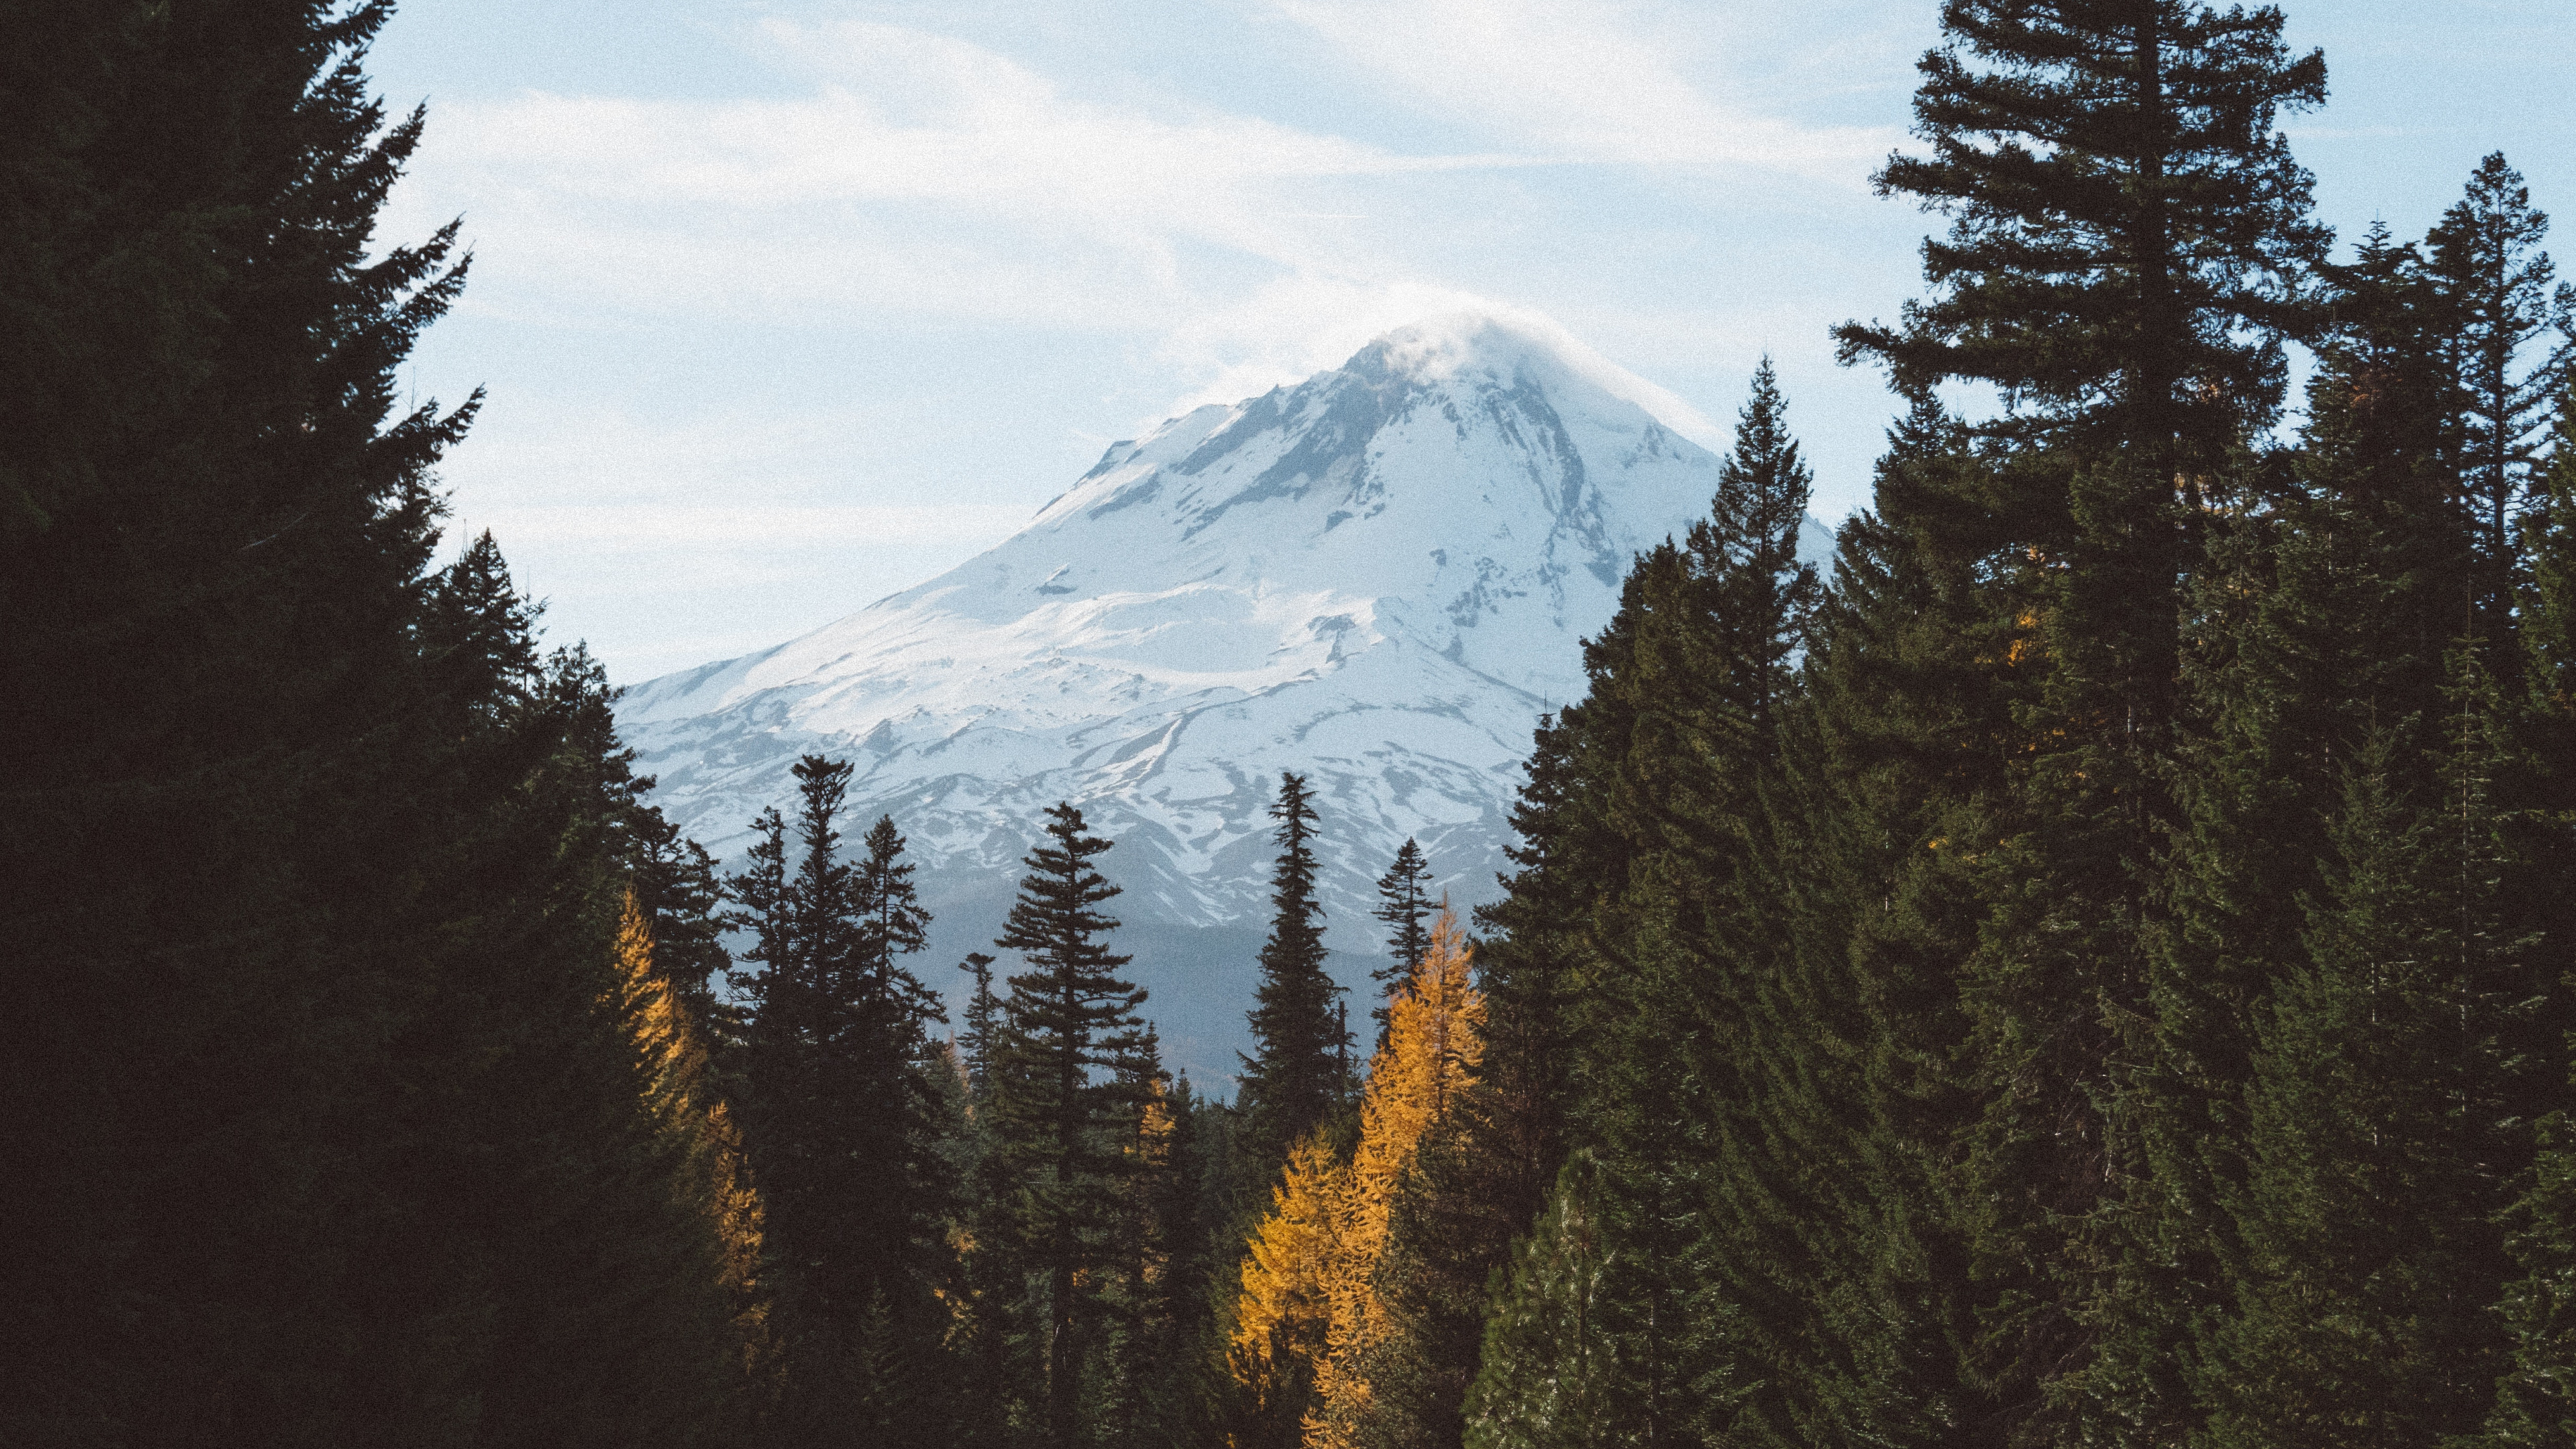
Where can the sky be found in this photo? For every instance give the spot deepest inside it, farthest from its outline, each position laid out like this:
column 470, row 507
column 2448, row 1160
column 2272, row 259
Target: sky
column 782, row 307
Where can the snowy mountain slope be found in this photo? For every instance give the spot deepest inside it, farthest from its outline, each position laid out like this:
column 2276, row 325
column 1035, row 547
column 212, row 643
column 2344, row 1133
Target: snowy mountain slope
column 1379, row 577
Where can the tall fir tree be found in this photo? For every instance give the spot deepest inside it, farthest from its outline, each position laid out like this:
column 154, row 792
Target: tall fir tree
column 1846, row 1277
column 1162, row 1315
column 331, row 1111
column 2130, row 240
column 2323, row 614
column 1672, row 1065
column 1131, row 1372
column 1759, row 595
column 1065, row 1092
column 2510, row 338
column 682, row 898
column 981, row 1038
column 1404, row 907
column 1617, row 990
column 2536, row 1402
column 759, row 909
column 1547, row 1381
column 1296, row 1072
column 844, row 1127
column 617, row 1328
column 2381, row 1136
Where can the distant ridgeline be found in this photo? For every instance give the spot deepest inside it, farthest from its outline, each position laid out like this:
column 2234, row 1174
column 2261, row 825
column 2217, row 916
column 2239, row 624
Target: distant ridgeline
column 2088, row 967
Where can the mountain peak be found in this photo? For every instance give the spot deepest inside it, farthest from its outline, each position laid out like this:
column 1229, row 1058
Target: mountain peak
column 1505, row 346
column 1379, row 578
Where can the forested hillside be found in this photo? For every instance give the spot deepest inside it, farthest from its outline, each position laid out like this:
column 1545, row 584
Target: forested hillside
column 2093, row 967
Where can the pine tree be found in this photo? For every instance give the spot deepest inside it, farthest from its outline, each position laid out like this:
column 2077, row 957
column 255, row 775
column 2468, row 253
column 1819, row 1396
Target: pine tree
column 1546, row 1381
column 2537, row 1400
column 1065, row 1083
column 891, row 1052
column 2373, row 486
column 1296, row 1072
column 2130, row 239
column 1640, row 812
column 677, row 887
column 1404, row 907
column 981, row 1038
column 333, row 1126
column 845, row 1129
column 1759, row 596
column 1842, row 1281
column 2323, row 613
column 1670, row 1064
column 2381, row 1138
column 1164, row 1320
column 616, row 1328
column 2128, row 228
column 1136, row 1341
column 2495, row 283
column 761, row 904
column 898, row 1010
column 800, row 892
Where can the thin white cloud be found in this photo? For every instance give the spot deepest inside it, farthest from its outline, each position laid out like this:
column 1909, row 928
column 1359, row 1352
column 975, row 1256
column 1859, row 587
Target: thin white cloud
column 904, row 178
column 928, row 176
column 905, row 116
column 1292, row 328
column 1584, row 79
column 922, row 174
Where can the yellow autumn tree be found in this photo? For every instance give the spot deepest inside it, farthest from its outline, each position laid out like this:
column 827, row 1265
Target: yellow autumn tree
column 1435, row 1033
column 673, row 1076
column 1307, row 1313
column 1150, row 1162
column 1143, row 1260
column 1284, row 1314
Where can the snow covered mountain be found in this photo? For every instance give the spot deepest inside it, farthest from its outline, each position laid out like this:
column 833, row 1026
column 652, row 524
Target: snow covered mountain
column 1379, row 577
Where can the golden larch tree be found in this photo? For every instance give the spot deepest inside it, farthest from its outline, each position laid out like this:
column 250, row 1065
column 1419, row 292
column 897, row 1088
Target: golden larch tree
column 675, row 1079
column 1307, row 1292
column 1150, row 1160
column 1284, row 1314
column 1435, row 1033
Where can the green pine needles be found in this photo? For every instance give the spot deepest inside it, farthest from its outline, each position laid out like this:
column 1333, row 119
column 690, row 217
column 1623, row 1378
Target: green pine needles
column 1299, row 1068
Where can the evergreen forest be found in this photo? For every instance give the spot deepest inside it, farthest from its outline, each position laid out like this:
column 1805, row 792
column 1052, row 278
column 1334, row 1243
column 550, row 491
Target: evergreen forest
column 2094, row 966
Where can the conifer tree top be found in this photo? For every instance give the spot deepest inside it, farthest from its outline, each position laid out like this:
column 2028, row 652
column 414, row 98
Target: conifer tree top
column 1056, row 923
column 1404, row 906
column 1295, row 1072
column 1070, row 1012
column 2128, row 228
